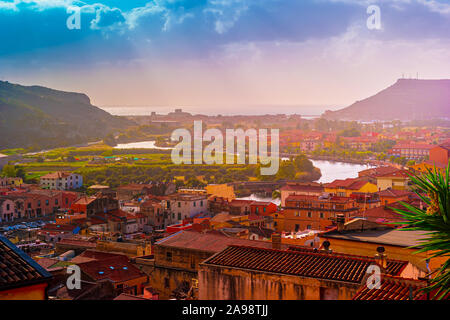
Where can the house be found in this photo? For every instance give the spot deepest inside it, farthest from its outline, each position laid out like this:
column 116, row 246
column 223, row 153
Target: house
column 61, row 180
column 398, row 180
column 440, row 154
column 394, row 288
column 131, row 191
column 263, row 208
column 21, row 278
column 411, row 150
column 300, row 189
column 240, row 207
column 182, row 206
column 361, row 237
column 174, row 264
column 251, row 273
column 315, row 212
column 426, row 166
column 224, row 191
column 100, row 203
column 344, row 188
column 11, row 182
column 393, row 195
column 372, row 173
column 117, row 269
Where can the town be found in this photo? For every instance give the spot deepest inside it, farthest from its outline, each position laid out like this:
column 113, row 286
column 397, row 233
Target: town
column 166, row 240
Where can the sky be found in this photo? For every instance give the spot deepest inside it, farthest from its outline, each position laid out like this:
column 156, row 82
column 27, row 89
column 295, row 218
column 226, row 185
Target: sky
column 220, row 54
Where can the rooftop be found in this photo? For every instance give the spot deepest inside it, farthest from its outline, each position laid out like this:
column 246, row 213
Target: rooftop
column 304, row 263
column 17, row 269
column 393, row 288
column 209, row 242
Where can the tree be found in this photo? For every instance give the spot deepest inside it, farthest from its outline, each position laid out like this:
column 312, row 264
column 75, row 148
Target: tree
column 433, row 188
column 9, row 171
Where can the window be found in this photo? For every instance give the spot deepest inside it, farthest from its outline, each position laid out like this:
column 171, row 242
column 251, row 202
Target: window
column 321, row 215
column 194, row 204
column 169, row 256
column 56, row 202
column 309, row 214
column 7, row 206
column 201, row 203
column 46, row 202
column 179, row 215
column 166, row 283
column 308, row 227
column 297, row 227
column 179, row 204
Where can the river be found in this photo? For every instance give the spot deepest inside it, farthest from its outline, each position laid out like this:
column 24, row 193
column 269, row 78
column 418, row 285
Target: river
column 331, row 170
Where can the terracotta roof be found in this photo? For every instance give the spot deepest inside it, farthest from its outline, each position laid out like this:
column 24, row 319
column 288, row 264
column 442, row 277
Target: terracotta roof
column 394, row 237
column 393, row 288
column 241, row 203
column 85, row 200
column 57, row 175
column 396, row 174
column 116, row 269
column 379, row 171
column 305, row 187
column 394, row 193
column 350, row 183
column 327, row 266
column 209, row 242
column 17, row 269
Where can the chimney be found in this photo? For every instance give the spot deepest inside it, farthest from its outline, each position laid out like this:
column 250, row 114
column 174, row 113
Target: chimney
column 326, row 246
column 276, row 241
column 381, row 258
column 340, row 221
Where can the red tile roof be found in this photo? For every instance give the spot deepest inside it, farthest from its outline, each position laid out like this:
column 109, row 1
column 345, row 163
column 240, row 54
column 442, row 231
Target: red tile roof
column 396, row 174
column 328, row 266
column 393, row 288
column 350, row 183
column 394, row 193
column 116, row 269
column 375, row 172
column 305, row 187
column 209, row 242
column 17, row 269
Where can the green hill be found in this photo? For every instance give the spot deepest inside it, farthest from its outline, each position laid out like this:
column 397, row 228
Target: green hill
column 39, row 117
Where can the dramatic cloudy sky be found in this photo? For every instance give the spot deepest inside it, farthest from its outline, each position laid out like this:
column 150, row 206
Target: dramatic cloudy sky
column 223, row 52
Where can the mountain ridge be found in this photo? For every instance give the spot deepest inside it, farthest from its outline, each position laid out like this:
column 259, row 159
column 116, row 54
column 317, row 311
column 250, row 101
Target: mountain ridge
column 37, row 116
column 406, row 99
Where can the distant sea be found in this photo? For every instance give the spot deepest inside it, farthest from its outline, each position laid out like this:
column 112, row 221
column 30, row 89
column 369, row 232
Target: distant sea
column 305, row 111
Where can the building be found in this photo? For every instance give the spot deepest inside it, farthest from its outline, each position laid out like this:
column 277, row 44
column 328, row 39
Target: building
column 240, row 207
column 117, row 269
column 315, row 212
column 182, row 206
column 224, row 191
column 11, row 182
column 100, row 203
column 372, row 173
column 441, row 154
column 412, row 150
column 362, row 237
column 394, row 288
column 398, row 180
column 345, row 188
column 300, row 189
column 61, row 181
column 393, row 195
column 250, row 273
column 175, row 260
column 21, row 278
column 263, row 208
